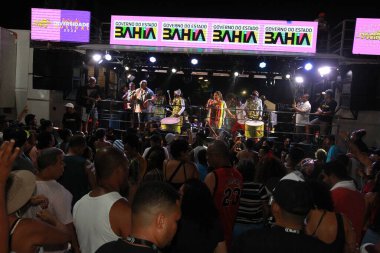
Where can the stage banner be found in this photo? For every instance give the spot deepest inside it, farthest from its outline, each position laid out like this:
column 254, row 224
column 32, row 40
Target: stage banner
column 207, row 33
column 367, row 36
column 60, row 25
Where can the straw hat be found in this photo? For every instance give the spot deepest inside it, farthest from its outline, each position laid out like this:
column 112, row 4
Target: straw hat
column 21, row 189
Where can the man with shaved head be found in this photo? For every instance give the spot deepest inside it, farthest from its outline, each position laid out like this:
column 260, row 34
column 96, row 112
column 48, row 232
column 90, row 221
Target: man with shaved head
column 103, row 215
column 155, row 213
column 225, row 184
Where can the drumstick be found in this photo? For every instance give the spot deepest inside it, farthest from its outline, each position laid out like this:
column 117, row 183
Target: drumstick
column 170, row 99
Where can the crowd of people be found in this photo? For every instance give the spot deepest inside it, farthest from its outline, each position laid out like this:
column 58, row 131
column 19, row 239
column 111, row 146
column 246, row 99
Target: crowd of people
column 198, row 190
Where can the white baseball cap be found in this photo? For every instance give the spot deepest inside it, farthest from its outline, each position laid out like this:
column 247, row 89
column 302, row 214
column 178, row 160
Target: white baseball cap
column 69, row 105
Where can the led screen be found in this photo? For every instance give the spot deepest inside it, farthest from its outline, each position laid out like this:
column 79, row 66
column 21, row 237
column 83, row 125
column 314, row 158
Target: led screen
column 60, row 25
column 367, row 36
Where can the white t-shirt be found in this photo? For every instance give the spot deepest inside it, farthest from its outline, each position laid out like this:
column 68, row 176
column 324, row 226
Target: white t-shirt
column 302, row 118
column 59, row 203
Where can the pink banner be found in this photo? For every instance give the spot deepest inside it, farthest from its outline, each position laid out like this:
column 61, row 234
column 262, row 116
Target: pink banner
column 226, row 34
column 367, row 36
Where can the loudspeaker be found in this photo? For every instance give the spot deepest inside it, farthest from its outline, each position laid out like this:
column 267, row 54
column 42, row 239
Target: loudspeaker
column 365, row 87
column 55, row 69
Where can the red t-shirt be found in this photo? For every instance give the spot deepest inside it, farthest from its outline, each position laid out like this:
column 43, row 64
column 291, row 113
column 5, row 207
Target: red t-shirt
column 351, row 204
column 228, row 185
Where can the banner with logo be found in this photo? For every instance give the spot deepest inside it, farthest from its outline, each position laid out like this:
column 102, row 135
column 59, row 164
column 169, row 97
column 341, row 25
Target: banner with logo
column 367, row 36
column 60, row 25
column 227, row 34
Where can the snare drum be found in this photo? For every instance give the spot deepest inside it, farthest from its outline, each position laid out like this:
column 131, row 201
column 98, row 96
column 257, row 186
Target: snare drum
column 254, row 129
column 171, row 124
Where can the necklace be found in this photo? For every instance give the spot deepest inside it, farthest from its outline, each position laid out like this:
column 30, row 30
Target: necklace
column 134, row 240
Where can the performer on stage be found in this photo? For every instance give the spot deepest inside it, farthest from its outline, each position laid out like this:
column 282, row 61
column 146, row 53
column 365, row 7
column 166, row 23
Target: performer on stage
column 178, row 105
column 129, row 99
column 217, row 108
column 144, row 103
column 230, row 121
column 159, row 101
column 254, row 106
column 88, row 97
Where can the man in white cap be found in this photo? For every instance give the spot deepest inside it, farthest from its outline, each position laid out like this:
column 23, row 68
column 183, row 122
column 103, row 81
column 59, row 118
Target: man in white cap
column 71, row 119
column 178, row 105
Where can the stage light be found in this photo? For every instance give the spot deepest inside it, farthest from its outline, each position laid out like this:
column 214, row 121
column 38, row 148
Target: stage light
column 129, row 75
column 299, row 79
column 108, row 57
column 206, row 80
column 96, row 57
column 152, row 59
column 174, row 70
column 200, row 78
column 114, row 68
column 194, row 61
column 244, row 92
column 262, row 64
column 308, row 66
column 324, row 71
column 126, row 68
column 287, row 76
column 236, row 73
column 101, row 60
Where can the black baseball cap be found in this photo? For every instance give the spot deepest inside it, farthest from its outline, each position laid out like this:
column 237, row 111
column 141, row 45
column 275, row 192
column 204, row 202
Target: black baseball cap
column 295, row 197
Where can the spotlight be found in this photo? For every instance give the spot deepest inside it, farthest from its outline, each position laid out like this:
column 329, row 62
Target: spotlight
column 114, row 68
column 287, row 76
column 101, row 60
column 324, row 71
column 152, row 59
column 308, row 66
column 174, row 70
column 299, row 79
column 244, row 92
column 129, row 75
column 200, row 78
column 194, row 61
column 126, row 68
column 108, row 57
column 236, row 73
column 206, row 80
column 96, row 57
column 262, row 64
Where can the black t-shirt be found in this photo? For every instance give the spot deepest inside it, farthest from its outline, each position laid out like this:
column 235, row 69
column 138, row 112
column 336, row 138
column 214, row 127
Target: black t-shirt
column 87, row 91
column 277, row 239
column 74, row 177
column 121, row 246
column 71, row 121
column 191, row 237
column 327, row 107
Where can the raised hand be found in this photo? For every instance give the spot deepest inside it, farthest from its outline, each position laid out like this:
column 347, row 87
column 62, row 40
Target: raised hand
column 7, row 156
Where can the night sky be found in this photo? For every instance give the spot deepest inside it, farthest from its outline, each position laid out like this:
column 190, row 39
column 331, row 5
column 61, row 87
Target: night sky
column 17, row 16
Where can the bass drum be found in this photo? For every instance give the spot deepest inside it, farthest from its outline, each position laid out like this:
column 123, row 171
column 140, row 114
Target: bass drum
column 171, row 124
column 254, row 129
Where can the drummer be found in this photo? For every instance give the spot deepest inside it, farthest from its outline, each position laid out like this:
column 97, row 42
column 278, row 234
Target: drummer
column 159, row 101
column 254, row 106
column 178, row 105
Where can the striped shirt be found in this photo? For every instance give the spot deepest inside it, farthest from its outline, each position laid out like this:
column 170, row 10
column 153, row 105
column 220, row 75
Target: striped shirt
column 251, row 203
